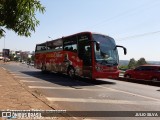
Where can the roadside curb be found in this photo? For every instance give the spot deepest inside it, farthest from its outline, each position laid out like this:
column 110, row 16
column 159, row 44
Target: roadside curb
column 34, row 95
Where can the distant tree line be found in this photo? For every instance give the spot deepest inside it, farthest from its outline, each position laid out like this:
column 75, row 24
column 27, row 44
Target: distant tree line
column 13, row 57
column 133, row 64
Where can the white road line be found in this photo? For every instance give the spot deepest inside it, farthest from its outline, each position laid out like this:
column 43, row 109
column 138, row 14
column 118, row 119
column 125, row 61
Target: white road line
column 19, row 74
column 63, row 88
column 14, row 72
column 43, row 87
column 32, row 81
column 3, row 68
column 89, row 119
column 128, row 93
column 53, row 99
column 22, row 77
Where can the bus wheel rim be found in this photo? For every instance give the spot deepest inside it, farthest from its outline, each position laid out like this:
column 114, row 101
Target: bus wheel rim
column 71, row 72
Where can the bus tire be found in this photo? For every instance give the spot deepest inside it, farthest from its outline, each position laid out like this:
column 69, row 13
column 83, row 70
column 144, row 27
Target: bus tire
column 71, row 72
column 44, row 69
column 154, row 79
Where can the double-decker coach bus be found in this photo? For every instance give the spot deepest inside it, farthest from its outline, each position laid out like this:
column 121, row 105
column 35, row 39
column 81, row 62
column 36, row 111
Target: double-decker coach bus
column 84, row 54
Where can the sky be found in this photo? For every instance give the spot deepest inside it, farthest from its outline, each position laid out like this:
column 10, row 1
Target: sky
column 133, row 24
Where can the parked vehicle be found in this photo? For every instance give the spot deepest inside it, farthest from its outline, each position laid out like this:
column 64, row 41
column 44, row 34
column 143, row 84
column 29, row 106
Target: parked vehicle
column 23, row 62
column 146, row 72
column 32, row 63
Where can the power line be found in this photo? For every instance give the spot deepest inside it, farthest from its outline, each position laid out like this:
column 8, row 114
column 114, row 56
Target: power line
column 138, row 35
column 121, row 14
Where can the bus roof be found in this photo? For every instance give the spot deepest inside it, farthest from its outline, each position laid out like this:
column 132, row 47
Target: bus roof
column 59, row 41
column 56, row 42
column 84, row 33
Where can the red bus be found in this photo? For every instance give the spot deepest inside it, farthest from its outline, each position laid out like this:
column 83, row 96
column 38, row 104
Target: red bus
column 85, row 54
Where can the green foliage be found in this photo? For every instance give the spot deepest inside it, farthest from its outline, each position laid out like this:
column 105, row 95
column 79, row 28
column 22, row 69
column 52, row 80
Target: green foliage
column 16, row 58
column 29, row 59
column 132, row 63
column 19, row 16
column 32, row 57
column 11, row 57
column 141, row 61
column 123, row 67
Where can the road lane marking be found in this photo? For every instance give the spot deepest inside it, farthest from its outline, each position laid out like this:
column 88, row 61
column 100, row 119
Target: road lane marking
column 64, row 88
column 33, row 81
column 53, row 99
column 3, row 68
column 20, row 74
column 14, row 72
column 43, row 87
column 89, row 119
column 128, row 93
column 17, row 74
column 23, row 77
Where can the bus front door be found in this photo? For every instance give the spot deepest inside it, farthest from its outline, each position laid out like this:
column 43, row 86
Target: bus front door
column 86, row 56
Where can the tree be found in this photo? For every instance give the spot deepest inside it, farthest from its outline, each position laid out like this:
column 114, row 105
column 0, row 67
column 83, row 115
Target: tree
column 132, row 63
column 19, row 16
column 16, row 58
column 141, row 61
column 11, row 57
column 32, row 57
column 123, row 67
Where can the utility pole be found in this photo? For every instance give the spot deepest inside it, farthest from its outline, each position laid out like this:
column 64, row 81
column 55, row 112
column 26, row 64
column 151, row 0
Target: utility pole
column 4, row 50
column 4, row 42
column 50, row 37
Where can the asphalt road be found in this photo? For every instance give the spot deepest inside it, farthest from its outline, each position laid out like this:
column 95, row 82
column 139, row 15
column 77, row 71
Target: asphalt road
column 85, row 95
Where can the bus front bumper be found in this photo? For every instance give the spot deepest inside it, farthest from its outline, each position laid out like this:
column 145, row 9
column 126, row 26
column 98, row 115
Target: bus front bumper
column 111, row 75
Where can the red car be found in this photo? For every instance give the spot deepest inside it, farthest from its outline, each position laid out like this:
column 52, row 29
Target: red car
column 146, row 72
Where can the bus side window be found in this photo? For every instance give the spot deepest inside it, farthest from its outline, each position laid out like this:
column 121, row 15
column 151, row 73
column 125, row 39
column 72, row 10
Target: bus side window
column 71, row 48
column 43, row 48
column 75, row 50
column 40, row 48
column 66, row 48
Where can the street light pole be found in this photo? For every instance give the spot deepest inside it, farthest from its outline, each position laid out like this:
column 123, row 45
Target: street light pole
column 50, row 37
column 4, row 50
column 4, row 41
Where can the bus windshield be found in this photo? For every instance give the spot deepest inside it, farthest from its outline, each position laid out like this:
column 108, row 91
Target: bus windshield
column 107, row 54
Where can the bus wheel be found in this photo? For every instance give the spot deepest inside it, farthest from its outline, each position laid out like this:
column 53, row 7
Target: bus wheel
column 154, row 79
column 43, row 69
column 71, row 72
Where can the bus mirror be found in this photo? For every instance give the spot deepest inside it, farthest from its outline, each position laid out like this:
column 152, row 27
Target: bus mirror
column 97, row 46
column 125, row 50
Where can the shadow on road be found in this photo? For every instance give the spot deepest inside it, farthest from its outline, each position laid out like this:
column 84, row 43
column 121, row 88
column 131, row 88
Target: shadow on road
column 64, row 80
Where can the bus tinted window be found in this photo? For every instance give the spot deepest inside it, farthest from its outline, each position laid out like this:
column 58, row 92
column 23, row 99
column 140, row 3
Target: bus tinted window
column 70, row 44
column 40, row 48
column 83, row 37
